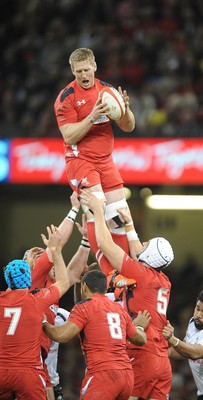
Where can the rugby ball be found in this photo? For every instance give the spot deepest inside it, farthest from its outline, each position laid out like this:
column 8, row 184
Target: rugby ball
column 114, row 100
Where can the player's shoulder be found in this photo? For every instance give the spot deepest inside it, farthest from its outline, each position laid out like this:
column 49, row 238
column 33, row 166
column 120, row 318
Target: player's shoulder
column 43, row 292
column 82, row 306
column 34, row 291
column 83, row 301
column 66, row 92
column 102, row 83
column 164, row 278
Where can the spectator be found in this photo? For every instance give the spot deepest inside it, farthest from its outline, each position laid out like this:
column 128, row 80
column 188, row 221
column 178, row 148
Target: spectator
column 33, row 67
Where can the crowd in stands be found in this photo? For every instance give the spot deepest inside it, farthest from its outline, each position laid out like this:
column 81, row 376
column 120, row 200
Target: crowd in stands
column 153, row 48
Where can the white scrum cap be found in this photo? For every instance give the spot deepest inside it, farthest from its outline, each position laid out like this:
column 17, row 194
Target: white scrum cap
column 158, row 253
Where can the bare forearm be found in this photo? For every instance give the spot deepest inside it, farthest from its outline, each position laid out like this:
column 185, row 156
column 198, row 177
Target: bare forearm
column 135, row 246
column 127, row 123
column 77, row 293
column 187, row 350
column 111, row 250
column 77, row 264
column 61, row 276
column 103, row 236
column 55, row 333
column 139, row 338
column 73, row 133
column 63, row 333
column 66, row 229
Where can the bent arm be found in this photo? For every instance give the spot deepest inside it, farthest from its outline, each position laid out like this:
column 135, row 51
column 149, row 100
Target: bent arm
column 67, row 225
column 61, row 334
column 73, row 133
column 127, row 123
column 187, row 350
column 141, row 322
column 139, row 338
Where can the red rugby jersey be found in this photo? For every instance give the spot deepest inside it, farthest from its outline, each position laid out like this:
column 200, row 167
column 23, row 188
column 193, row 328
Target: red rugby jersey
column 152, row 293
column 73, row 104
column 21, row 315
column 104, row 325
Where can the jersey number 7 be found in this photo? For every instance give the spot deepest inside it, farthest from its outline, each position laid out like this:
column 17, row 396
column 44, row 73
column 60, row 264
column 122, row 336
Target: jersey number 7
column 14, row 313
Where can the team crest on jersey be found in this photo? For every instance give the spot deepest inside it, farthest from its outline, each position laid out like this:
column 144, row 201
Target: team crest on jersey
column 84, row 182
column 80, row 102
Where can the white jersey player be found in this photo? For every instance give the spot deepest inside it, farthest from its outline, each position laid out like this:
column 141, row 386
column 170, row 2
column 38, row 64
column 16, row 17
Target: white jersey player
column 192, row 345
column 194, row 335
column 52, row 358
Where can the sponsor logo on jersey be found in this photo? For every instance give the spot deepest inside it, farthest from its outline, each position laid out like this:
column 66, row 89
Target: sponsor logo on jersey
column 80, row 102
column 101, row 120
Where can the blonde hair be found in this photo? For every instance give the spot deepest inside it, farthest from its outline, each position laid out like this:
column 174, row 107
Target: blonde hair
column 81, row 54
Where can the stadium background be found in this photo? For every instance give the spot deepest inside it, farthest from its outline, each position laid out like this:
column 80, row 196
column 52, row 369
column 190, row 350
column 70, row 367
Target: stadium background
column 154, row 49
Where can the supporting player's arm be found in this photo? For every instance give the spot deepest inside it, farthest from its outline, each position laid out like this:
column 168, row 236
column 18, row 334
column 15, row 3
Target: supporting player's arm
column 66, row 226
column 61, row 334
column 141, row 322
column 135, row 246
column 112, row 252
column 54, row 243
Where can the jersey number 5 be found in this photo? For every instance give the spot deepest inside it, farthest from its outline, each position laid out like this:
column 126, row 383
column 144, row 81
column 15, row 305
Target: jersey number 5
column 162, row 301
column 13, row 313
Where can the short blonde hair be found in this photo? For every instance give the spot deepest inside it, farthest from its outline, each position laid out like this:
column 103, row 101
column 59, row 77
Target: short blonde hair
column 81, row 54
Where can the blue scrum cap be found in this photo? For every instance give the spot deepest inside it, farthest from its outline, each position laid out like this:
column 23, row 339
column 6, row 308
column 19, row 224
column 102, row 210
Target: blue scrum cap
column 18, row 275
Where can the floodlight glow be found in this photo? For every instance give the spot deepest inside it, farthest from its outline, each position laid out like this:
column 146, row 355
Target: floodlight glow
column 175, row 202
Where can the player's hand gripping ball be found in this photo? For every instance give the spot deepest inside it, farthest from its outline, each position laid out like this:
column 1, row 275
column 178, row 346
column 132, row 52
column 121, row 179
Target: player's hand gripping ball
column 115, row 102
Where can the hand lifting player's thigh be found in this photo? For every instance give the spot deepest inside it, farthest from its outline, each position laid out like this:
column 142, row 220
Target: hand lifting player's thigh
column 115, row 200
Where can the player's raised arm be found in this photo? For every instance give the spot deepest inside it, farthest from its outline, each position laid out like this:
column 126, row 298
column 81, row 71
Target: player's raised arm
column 104, row 239
column 54, row 243
column 67, row 225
